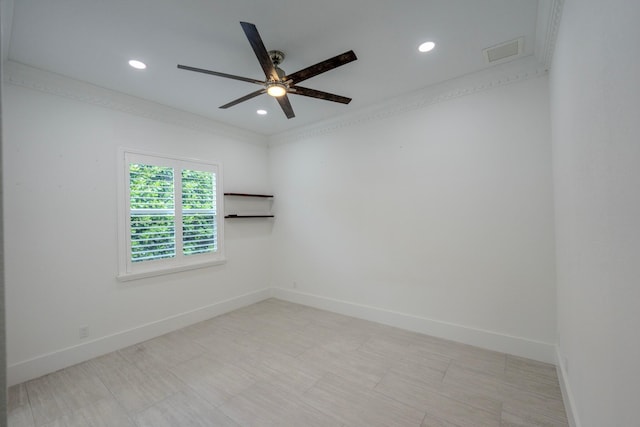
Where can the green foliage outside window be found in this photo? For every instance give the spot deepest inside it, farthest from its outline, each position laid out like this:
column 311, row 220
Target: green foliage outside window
column 198, row 212
column 152, row 208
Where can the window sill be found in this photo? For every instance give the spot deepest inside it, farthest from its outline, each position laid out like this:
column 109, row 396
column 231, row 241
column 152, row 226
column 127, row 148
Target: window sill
column 126, row 277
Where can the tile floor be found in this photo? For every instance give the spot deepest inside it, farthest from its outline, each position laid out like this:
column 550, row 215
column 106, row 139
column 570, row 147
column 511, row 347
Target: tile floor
column 281, row 364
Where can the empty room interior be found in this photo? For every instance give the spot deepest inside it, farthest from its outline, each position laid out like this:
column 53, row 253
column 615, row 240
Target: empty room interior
column 338, row 213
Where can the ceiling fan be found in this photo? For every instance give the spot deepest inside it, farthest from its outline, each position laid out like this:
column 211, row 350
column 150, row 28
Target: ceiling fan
column 278, row 84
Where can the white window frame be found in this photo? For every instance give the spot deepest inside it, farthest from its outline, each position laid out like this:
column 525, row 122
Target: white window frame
column 128, row 270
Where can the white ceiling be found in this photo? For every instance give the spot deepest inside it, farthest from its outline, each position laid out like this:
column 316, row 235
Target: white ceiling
column 92, row 40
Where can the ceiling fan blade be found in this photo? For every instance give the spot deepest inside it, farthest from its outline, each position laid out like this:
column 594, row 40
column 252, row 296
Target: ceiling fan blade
column 215, row 73
column 244, row 98
column 286, row 106
column 255, row 40
column 322, row 67
column 298, row 90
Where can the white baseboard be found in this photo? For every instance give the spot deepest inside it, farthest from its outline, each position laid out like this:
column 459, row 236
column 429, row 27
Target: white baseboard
column 517, row 346
column 59, row 359
column 567, row 395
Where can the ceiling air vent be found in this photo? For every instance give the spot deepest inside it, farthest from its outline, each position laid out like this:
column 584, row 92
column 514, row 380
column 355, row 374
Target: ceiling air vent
column 502, row 51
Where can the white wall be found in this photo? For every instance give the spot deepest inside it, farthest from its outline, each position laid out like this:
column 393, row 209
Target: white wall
column 442, row 215
column 595, row 94
column 60, row 180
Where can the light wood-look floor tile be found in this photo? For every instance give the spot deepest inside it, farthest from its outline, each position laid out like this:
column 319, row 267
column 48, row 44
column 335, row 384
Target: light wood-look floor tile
column 103, row 413
column 163, row 352
column 65, row 391
column 134, row 388
column 17, row 396
column 383, row 411
column 268, row 404
column 21, row 416
column 46, row 404
column 360, row 368
column 276, row 363
column 18, row 408
column 339, row 397
column 183, row 409
column 214, row 381
column 268, row 363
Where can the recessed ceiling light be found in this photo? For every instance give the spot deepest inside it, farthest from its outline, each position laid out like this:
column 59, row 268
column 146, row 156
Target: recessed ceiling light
column 262, row 112
column 138, row 65
column 426, row 46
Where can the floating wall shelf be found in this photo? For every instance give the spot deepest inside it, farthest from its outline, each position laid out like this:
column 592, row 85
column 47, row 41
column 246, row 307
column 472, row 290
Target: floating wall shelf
column 263, row 196
column 249, row 216
column 249, row 195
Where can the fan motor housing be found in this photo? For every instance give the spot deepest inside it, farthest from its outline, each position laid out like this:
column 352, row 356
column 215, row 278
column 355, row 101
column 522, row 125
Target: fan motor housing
column 277, row 56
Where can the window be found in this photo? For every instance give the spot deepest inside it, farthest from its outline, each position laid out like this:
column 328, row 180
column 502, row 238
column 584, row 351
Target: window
column 169, row 215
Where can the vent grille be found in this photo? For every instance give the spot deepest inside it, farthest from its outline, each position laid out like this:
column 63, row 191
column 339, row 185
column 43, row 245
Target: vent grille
column 503, row 51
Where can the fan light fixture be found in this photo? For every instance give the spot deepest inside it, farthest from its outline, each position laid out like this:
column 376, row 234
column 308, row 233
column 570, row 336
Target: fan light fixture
column 276, row 89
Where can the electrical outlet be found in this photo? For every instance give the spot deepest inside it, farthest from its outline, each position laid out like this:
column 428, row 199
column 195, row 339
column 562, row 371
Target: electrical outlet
column 83, row 332
column 295, row 285
column 566, row 364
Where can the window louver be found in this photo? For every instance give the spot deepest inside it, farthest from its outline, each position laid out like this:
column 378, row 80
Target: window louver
column 198, row 212
column 152, row 209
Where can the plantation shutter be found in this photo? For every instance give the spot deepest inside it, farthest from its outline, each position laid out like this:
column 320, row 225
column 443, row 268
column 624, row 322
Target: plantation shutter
column 198, row 212
column 152, row 212
column 169, row 215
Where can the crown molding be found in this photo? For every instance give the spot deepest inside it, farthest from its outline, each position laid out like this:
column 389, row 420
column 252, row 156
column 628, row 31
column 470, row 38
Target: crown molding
column 549, row 16
column 487, row 79
column 55, row 84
